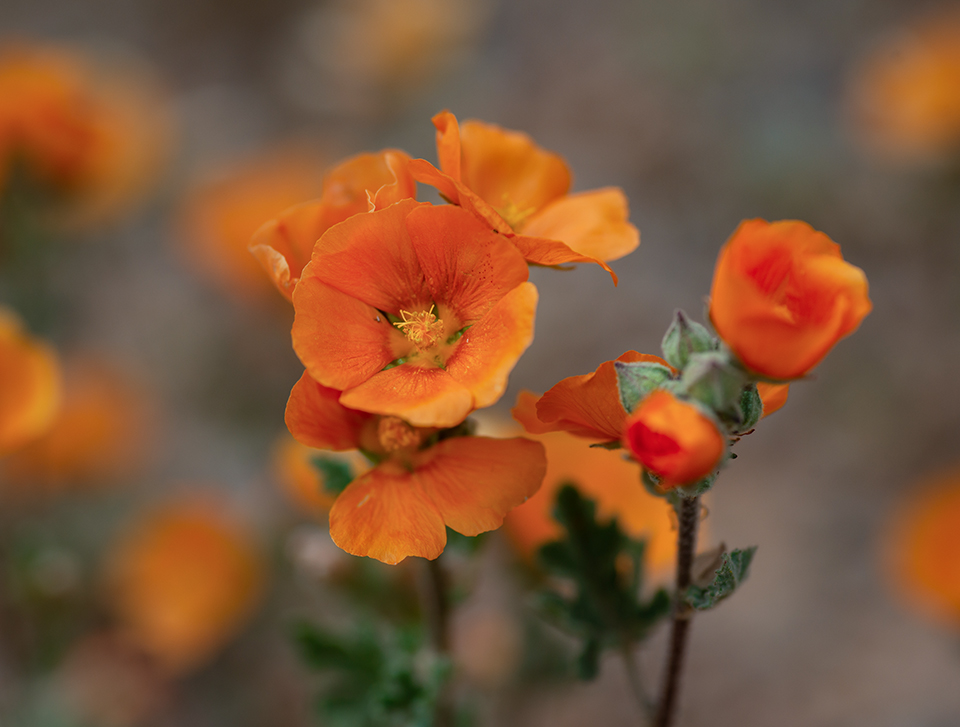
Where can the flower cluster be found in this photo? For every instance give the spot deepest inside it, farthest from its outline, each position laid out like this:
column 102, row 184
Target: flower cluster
column 782, row 296
column 409, row 316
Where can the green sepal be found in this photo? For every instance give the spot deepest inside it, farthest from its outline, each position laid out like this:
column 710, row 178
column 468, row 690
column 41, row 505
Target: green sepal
column 636, row 380
column 751, row 408
column 734, row 569
column 715, row 382
column 615, row 444
column 685, row 338
column 336, row 473
column 700, row 487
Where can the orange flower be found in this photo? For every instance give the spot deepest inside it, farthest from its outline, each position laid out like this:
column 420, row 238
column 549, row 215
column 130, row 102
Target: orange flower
column 218, row 217
column 673, row 439
column 905, row 95
column 783, row 295
column 414, row 311
column 183, row 580
column 360, row 184
column 922, row 548
column 773, row 396
column 100, row 434
column 98, row 132
column 604, row 476
column 521, row 191
column 420, row 486
column 301, row 480
column 587, row 405
column 29, row 385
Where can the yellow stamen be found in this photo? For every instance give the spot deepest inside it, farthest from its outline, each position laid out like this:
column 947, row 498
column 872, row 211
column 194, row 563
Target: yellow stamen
column 515, row 216
column 422, row 327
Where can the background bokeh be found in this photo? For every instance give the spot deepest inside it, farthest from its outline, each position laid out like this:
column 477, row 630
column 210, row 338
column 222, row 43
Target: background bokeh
column 705, row 113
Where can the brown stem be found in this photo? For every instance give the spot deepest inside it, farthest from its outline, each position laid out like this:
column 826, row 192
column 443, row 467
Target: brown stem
column 436, row 613
column 686, row 545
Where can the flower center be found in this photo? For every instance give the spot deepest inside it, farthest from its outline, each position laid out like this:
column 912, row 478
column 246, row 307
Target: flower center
column 395, row 434
column 423, row 328
column 514, row 216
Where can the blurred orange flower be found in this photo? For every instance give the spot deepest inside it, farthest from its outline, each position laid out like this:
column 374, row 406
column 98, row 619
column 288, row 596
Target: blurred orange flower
column 673, row 439
column 905, row 95
column 360, row 184
column 29, row 384
column 218, row 217
column 783, row 295
column 604, row 476
column 421, row 484
column 301, row 480
column 101, row 433
column 773, row 396
column 183, row 580
column 98, row 132
column 922, row 548
column 521, row 191
column 587, row 405
column 414, row 311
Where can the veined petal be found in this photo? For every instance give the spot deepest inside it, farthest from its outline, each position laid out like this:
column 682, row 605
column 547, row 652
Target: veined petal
column 424, row 397
column 476, row 481
column 507, row 169
column 466, row 265
column 384, row 514
column 340, row 340
column 457, row 193
column 448, row 143
column 541, row 251
column 591, row 223
column 370, row 257
column 488, row 350
column 316, row 417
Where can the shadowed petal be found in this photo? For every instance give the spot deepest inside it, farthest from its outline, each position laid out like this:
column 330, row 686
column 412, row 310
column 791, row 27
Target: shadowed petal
column 384, row 514
column 316, row 417
column 476, row 481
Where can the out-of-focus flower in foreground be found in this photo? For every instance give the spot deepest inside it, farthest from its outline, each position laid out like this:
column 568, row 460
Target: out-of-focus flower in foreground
column 675, row 440
column 93, row 132
column 422, row 482
column 414, row 311
column 605, row 477
column 219, row 216
column 522, row 191
column 360, row 184
column 101, row 434
column 183, row 580
column 783, row 295
column 922, row 548
column 905, row 94
column 29, row 384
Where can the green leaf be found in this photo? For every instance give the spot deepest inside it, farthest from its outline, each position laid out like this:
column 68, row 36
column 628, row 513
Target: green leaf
column 733, row 570
column 685, row 338
column 636, row 380
column 336, row 473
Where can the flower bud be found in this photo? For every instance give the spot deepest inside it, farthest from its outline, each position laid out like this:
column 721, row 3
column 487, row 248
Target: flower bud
column 684, row 338
column 716, row 382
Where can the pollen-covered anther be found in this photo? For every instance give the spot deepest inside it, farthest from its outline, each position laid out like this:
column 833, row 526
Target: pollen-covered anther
column 395, row 434
column 423, row 328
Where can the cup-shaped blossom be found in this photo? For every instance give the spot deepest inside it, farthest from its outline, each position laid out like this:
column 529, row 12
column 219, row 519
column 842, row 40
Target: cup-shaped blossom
column 363, row 183
column 783, row 295
column 522, row 191
column 182, row 580
column 29, row 384
column 421, row 484
column 414, row 311
column 673, row 439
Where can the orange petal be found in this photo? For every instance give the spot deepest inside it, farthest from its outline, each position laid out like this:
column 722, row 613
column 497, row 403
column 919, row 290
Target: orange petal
column 525, row 412
column 29, row 385
column 590, row 223
column 589, row 405
column 368, row 181
column 506, row 169
column 466, row 265
column 476, row 481
column 316, row 417
column 424, row 397
column 384, row 514
column 773, row 396
column 457, row 193
column 283, row 245
column 340, row 340
column 488, row 351
column 448, row 143
column 370, row 258
column 540, row 251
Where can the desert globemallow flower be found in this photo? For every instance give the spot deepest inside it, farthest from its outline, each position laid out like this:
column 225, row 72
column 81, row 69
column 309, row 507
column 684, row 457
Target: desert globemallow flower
column 362, row 183
column 414, row 311
column 423, row 482
column 783, row 295
column 522, row 191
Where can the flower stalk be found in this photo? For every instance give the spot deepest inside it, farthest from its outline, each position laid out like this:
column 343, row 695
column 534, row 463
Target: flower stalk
column 436, row 614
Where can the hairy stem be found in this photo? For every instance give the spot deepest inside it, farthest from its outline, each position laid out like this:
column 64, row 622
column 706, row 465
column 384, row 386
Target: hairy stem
column 436, row 613
column 686, row 545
